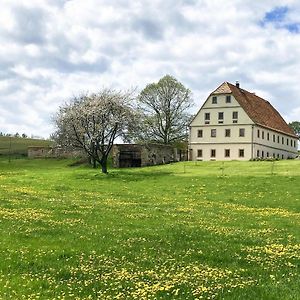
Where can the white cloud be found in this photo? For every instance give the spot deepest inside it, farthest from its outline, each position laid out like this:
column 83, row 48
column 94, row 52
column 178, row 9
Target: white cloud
column 51, row 50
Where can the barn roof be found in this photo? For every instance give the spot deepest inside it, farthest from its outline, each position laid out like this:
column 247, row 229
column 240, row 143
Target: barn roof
column 260, row 111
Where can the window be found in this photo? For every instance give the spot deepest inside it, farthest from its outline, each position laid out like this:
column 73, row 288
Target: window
column 274, row 138
column 234, row 115
column 242, row 131
column 200, row 133
column 294, row 144
column 278, row 139
column 221, row 116
column 213, row 153
column 227, row 152
column 213, row 132
column 291, row 143
column 241, row 153
column 287, row 142
column 207, row 116
column 262, row 134
column 257, row 153
column 267, row 154
column 228, row 99
column 258, row 133
column 268, row 136
column 199, row 153
column 214, row 100
column 277, row 155
column 282, row 140
column 273, row 155
column 227, row 132
column 262, row 154
column 282, row 156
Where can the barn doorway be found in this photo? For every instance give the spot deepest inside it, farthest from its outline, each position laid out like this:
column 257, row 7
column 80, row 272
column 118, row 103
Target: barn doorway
column 130, row 158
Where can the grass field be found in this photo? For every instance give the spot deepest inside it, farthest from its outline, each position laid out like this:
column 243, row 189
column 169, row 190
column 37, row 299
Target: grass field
column 18, row 146
column 182, row 231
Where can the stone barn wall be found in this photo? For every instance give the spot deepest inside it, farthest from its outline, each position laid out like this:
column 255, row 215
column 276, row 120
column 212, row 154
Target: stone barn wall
column 52, row 152
column 135, row 155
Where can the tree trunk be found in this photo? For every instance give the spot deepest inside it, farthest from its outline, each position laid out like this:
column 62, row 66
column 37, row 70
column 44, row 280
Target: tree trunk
column 104, row 165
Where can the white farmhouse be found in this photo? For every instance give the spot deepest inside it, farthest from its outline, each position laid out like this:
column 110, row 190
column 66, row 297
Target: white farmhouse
column 234, row 124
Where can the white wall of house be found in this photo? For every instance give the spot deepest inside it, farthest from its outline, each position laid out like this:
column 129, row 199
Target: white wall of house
column 227, row 133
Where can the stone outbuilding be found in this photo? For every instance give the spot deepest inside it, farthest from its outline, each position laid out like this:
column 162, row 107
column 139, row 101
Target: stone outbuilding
column 140, row 155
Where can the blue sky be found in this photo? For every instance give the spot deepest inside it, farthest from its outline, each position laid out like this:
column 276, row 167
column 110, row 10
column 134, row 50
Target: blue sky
column 51, row 50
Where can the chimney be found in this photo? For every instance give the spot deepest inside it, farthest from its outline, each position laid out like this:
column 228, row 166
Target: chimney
column 237, row 84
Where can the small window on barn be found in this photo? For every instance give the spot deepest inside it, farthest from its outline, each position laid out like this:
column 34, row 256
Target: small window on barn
column 274, row 138
column 241, row 152
column 199, row 153
column 235, row 115
column 278, row 139
column 257, row 153
column 228, row 99
column 200, row 133
column 213, row 153
column 282, row 140
column 268, row 136
column 242, row 132
column 213, row 132
column 262, row 134
column 214, row 100
column 227, row 152
column 227, row 132
column 258, row 133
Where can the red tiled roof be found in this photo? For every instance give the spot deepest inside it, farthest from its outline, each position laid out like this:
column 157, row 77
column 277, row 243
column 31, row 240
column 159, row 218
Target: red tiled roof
column 259, row 110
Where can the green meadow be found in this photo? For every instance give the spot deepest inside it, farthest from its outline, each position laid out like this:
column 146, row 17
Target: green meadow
column 206, row 230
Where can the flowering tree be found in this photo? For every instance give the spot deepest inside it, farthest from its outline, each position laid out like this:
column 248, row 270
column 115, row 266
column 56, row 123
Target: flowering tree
column 93, row 122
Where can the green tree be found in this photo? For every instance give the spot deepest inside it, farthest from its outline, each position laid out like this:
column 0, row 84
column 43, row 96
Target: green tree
column 164, row 110
column 295, row 125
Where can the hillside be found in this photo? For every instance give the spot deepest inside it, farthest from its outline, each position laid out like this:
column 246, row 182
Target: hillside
column 18, row 146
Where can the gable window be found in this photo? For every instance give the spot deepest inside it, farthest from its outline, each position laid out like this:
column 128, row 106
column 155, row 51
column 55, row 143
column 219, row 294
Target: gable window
column 213, row 153
column 241, row 153
column 207, row 118
column 228, row 99
column 214, row 100
column 200, row 133
column 235, row 115
column 227, row 132
column 258, row 133
column 221, row 117
column 213, row 132
column 199, row 153
column 262, row 134
column 227, row 152
column 242, row 132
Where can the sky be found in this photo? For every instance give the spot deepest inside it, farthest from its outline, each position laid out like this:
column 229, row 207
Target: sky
column 53, row 50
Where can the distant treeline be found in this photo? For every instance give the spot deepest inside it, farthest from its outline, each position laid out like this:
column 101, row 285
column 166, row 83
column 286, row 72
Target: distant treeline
column 21, row 135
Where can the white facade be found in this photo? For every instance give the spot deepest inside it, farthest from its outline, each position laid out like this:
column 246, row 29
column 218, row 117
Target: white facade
column 222, row 130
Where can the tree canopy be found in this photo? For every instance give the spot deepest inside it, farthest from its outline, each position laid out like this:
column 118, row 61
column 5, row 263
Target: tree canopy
column 295, row 125
column 93, row 122
column 163, row 108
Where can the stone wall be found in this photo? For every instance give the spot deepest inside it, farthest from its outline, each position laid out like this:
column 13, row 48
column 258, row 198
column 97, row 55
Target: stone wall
column 140, row 155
